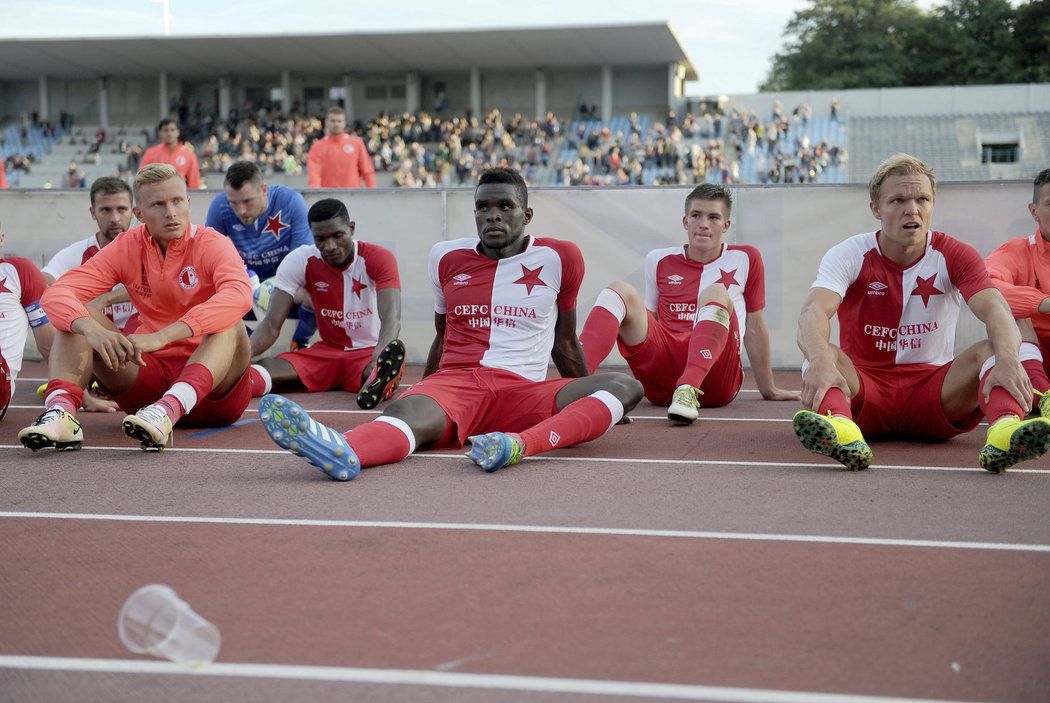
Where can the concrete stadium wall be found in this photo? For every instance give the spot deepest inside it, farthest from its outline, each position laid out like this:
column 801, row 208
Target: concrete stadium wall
column 615, row 228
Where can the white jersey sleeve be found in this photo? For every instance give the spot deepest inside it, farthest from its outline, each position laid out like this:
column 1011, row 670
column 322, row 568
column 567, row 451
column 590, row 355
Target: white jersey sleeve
column 842, row 263
column 652, row 294
column 291, row 274
column 68, row 258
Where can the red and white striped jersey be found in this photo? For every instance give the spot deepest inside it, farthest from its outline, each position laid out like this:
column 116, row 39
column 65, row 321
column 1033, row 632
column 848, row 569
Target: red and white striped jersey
column 892, row 314
column 502, row 313
column 21, row 285
column 68, row 258
column 673, row 281
column 344, row 299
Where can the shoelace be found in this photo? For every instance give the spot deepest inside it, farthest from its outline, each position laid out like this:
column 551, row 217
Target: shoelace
column 154, row 415
column 48, row 416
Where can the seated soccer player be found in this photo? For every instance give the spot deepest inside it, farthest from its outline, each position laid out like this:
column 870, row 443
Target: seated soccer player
column 356, row 292
column 683, row 340
column 265, row 222
column 1020, row 269
column 187, row 360
column 21, row 287
column 898, row 292
column 505, row 303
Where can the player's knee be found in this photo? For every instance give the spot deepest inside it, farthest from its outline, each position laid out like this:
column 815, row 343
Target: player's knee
column 714, row 293
column 626, row 291
column 627, row 390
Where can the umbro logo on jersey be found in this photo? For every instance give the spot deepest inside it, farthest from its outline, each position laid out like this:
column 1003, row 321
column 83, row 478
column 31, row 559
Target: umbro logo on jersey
column 321, row 286
column 461, row 279
column 877, row 288
column 675, row 280
column 554, row 438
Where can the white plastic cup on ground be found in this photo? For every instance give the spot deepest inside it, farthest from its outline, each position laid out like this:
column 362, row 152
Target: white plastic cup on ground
column 154, row 620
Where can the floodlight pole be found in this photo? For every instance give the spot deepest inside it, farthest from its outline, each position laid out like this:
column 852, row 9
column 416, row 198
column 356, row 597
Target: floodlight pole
column 166, row 5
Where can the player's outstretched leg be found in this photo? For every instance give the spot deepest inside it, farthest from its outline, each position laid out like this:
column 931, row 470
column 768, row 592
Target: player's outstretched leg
column 1012, row 440
column 383, row 380
column 151, row 426
column 54, row 428
column 495, row 450
column 291, row 428
column 835, row 437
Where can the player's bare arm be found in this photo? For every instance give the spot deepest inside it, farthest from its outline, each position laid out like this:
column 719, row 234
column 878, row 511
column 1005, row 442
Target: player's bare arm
column 388, row 303
column 756, row 342
column 44, row 336
column 267, row 331
column 434, row 357
column 567, row 352
column 990, row 308
column 814, row 334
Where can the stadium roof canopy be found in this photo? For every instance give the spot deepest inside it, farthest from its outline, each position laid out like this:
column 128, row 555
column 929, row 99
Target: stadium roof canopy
column 324, row 54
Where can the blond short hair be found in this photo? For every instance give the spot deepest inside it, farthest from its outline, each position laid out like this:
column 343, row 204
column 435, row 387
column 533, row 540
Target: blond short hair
column 153, row 174
column 899, row 165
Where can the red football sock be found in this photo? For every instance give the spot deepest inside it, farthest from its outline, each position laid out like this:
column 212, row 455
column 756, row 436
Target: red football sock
column 195, row 382
column 260, row 380
column 63, row 394
column 836, row 403
column 706, row 343
column 999, row 403
column 580, row 421
column 1032, row 361
column 602, row 327
column 386, row 440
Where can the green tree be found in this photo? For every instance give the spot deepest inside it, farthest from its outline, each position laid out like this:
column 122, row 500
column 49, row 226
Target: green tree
column 838, row 44
column 1032, row 34
column 969, row 42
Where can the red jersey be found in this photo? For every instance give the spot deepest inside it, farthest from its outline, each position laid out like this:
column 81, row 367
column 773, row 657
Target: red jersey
column 74, row 255
column 21, row 286
column 344, row 299
column 339, row 161
column 673, row 281
column 502, row 313
column 3, row 176
column 181, row 158
column 1020, row 269
column 200, row 281
column 892, row 314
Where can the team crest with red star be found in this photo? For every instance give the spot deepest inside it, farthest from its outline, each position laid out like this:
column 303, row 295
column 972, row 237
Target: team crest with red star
column 728, row 278
column 925, row 289
column 188, row 278
column 358, row 286
column 3, row 286
column 530, row 278
column 274, row 225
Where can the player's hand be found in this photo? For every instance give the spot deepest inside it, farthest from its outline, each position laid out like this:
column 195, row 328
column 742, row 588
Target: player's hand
column 145, row 343
column 112, row 347
column 94, row 404
column 1011, row 376
column 775, row 393
column 818, row 379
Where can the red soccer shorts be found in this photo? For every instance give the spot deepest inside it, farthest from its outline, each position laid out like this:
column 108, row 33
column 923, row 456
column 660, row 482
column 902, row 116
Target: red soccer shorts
column 325, row 367
column 658, row 363
column 483, row 400
column 904, row 402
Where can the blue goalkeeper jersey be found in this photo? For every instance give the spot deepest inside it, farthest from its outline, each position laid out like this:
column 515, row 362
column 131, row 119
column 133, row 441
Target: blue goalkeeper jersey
column 264, row 243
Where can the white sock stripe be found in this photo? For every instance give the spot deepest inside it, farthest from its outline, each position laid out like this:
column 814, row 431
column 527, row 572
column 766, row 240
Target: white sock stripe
column 611, row 301
column 185, row 394
column 987, row 366
column 267, row 380
column 611, row 402
column 403, row 426
column 714, row 313
column 51, row 396
column 1030, row 352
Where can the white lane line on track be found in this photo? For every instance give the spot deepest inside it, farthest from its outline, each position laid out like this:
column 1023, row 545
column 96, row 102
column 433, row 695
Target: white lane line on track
column 543, row 529
column 588, row 459
column 416, row 677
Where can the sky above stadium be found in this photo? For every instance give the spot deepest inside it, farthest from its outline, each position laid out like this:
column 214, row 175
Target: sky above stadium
column 731, row 42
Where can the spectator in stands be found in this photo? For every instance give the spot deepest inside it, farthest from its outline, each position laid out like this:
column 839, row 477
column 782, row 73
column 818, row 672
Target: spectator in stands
column 3, row 177
column 340, row 160
column 173, row 152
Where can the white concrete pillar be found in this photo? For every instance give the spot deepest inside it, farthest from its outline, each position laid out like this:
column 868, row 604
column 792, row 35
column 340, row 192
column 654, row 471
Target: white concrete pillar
column 224, row 97
column 103, row 103
column 286, row 91
column 348, row 97
column 43, row 108
column 475, row 91
column 607, row 93
column 162, row 94
column 412, row 90
column 541, row 94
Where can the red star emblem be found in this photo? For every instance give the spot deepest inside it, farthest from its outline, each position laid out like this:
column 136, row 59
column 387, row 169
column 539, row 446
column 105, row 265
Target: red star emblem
column 3, row 288
column 924, row 287
column 728, row 278
column 274, row 225
column 530, row 278
column 358, row 286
